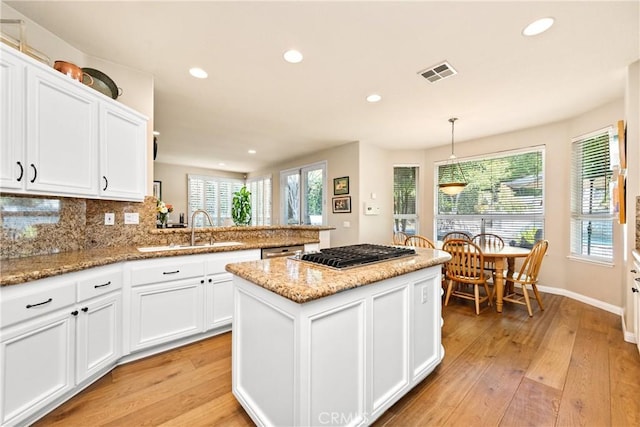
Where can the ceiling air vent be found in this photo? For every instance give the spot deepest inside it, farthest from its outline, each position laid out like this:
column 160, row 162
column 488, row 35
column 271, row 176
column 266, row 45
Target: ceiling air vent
column 438, row 72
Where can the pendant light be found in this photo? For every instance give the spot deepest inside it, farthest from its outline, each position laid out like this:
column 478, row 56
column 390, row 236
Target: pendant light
column 453, row 179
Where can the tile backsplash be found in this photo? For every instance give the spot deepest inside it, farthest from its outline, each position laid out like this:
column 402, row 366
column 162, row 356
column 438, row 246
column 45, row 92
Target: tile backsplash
column 47, row 225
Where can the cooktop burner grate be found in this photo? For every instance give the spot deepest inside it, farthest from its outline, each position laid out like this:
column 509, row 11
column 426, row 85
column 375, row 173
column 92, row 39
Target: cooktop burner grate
column 356, row 255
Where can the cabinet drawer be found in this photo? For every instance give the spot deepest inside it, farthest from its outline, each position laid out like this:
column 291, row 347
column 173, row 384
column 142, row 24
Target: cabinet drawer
column 216, row 264
column 24, row 302
column 164, row 271
column 99, row 283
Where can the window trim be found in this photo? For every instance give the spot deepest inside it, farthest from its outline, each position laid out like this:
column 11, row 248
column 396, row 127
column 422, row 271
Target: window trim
column 323, row 164
column 541, row 148
column 573, row 216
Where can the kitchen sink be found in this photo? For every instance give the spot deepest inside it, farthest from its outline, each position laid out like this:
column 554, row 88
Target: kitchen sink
column 183, row 247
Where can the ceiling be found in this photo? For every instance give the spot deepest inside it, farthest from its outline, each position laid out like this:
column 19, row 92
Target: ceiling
column 253, row 99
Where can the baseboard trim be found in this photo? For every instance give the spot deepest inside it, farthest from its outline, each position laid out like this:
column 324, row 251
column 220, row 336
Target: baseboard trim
column 628, row 335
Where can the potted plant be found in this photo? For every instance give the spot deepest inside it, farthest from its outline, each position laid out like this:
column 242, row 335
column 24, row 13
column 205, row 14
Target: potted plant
column 241, row 209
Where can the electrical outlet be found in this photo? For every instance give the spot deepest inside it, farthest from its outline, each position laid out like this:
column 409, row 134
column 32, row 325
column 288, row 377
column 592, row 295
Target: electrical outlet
column 109, row 219
column 132, row 218
column 425, row 294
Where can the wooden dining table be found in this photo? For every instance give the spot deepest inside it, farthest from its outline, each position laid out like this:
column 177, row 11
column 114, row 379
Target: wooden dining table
column 507, row 255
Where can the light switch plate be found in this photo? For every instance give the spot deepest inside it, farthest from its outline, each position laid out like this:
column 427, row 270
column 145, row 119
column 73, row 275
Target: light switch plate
column 109, row 219
column 132, row 218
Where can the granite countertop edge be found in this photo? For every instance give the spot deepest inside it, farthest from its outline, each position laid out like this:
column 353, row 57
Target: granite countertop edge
column 15, row 271
column 303, row 282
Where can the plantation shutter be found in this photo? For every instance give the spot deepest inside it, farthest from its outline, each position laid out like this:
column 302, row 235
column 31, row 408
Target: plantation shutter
column 260, row 189
column 213, row 194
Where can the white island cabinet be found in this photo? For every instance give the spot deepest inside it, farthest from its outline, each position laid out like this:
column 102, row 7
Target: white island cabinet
column 340, row 359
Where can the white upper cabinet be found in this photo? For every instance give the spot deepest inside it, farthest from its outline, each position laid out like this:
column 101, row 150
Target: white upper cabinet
column 123, row 155
column 12, row 111
column 60, row 137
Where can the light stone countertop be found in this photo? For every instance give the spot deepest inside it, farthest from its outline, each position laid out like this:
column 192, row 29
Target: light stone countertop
column 21, row 270
column 301, row 281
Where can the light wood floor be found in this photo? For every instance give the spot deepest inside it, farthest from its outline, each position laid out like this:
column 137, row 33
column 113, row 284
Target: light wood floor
column 566, row 366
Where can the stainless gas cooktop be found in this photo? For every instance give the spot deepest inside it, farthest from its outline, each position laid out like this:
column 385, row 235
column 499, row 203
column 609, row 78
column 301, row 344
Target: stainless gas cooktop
column 344, row 257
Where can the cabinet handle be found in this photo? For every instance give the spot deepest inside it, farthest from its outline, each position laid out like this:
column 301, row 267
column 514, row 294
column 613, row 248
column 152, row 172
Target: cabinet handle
column 210, row 280
column 633, row 271
column 106, row 183
column 85, row 309
column 21, row 171
column 102, row 286
column 171, row 272
column 35, row 173
column 40, row 303
column 634, row 290
column 74, row 312
column 202, row 281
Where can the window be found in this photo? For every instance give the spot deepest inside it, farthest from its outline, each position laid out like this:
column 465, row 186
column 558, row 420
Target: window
column 260, row 189
column 592, row 165
column 405, row 200
column 213, row 194
column 504, row 196
column 302, row 194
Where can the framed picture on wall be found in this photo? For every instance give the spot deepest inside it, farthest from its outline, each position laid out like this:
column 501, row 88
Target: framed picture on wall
column 157, row 189
column 342, row 204
column 340, row 185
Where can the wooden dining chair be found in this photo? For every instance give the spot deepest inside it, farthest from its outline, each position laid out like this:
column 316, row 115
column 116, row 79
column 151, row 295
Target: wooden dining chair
column 399, row 238
column 528, row 276
column 466, row 267
column 456, row 235
column 419, row 242
column 493, row 242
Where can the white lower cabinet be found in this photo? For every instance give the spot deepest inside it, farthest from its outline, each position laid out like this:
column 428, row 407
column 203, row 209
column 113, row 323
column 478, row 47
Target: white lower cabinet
column 218, row 291
column 56, row 335
column 59, row 334
column 165, row 312
column 177, row 297
column 37, row 364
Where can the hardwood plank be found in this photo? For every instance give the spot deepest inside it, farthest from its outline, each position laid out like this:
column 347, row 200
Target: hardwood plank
column 497, row 371
column 495, row 389
column 552, row 359
column 533, row 404
column 624, row 370
column 586, row 397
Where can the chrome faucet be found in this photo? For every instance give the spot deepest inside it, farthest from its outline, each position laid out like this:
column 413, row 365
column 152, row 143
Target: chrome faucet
column 193, row 228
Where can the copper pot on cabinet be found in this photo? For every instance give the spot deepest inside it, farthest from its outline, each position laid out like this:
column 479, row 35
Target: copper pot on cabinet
column 71, row 70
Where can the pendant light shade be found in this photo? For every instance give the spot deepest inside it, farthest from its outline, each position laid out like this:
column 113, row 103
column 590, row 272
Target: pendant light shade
column 453, row 180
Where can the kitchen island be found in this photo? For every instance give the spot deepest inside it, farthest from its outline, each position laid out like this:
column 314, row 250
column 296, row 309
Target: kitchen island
column 316, row 346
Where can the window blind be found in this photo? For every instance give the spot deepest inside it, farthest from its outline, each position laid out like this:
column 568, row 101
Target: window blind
column 405, row 201
column 504, row 196
column 591, row 214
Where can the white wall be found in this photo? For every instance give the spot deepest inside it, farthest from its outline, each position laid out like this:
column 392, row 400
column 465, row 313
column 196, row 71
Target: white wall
column 591, row 280
column 174, row 184
column 376, row 180
column 632, row 118
column 341, row 161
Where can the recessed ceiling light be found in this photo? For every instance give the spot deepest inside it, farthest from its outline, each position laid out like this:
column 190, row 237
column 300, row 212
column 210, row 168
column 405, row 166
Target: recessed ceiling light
column 251, row 151
column 537, row 27
column 293, row 56
column 374, row 97
column 221, row 164
column 198, row 73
